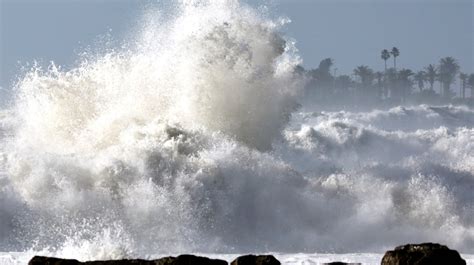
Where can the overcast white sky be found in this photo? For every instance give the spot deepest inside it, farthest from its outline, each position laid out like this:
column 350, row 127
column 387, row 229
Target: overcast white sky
column 352, row 32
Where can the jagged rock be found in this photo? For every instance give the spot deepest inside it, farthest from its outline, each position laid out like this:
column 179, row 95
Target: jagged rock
column 120, row 262
column 39, row 260
column 189, row 260
column 256, row 260
column 180, row 260
column 340, row 263
column 422, row 254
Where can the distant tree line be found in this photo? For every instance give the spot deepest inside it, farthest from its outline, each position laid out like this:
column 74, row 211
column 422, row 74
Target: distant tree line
column 392, row 85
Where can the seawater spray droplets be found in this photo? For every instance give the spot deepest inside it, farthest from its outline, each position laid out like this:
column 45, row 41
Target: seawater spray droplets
column 181, row 144
column 218, row 66
column 127, row 141
column 224, row 72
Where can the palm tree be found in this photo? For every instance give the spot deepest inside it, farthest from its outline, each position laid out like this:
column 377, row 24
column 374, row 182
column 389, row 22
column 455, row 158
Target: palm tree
column 379, row 77
column 344, row 82
column 405, row 82
column 420, row 78
column 385, row 56
column 344, row 89
column 391, row 81
column 395, row 52
column 431, row 74
column 463, row 78
column 324, row 81
column 365, row 74
column 448, row 68
column 325, row 66
column 470, row 83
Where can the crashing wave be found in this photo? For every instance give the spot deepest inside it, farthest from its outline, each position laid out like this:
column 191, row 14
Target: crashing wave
column 182, row 144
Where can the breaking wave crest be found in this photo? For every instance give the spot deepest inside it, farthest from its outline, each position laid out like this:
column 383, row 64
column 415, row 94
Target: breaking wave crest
column 186, row 143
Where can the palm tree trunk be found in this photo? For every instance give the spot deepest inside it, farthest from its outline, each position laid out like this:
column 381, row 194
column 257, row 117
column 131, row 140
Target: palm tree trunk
column 446, row 89
column 463, row 90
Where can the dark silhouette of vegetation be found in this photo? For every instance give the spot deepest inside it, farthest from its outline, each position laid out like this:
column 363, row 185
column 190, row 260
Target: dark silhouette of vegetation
column 470, row 83
column 448, row 68
column 431, row 74
column 321, row 77
column 395, row 53
column 420, row 78
column 380, row 89
column 365, row 74
column 390, row 86
column 385, row 56
column 463, row 78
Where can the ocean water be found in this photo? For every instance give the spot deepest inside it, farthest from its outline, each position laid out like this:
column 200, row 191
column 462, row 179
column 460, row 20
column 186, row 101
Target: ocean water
column 190, row 139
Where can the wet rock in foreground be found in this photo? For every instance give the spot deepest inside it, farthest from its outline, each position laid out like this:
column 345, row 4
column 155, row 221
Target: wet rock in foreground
column 412, row 254
column 188, row 260
column 340, row 263
column 256, row 260
column 40, row 260
column 422, row 254
column 180, row 260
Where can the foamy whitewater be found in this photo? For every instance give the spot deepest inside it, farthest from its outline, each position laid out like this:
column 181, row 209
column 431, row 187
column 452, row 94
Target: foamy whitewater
column 189, row 139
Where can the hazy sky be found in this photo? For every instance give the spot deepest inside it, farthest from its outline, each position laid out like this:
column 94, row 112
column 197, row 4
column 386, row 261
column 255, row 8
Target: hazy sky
column 352, row 32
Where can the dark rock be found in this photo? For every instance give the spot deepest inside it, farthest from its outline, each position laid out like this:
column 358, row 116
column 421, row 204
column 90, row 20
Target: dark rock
column 256, row 260
column 119, row 262
column 340, row 263
column 180, row 260
column 39, row 260
column 422, row 254
column 189, row 260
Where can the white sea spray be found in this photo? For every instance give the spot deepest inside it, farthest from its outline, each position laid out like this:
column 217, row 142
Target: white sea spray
column 189, row 142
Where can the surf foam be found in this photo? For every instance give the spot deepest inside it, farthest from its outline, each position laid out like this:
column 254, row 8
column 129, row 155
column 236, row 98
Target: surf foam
column 182, row 144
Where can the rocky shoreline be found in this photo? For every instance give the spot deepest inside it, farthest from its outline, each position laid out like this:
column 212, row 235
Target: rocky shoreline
column 410, row 254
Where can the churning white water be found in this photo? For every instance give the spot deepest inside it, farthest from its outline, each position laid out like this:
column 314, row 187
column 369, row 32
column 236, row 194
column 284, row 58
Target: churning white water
column 189, row 141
